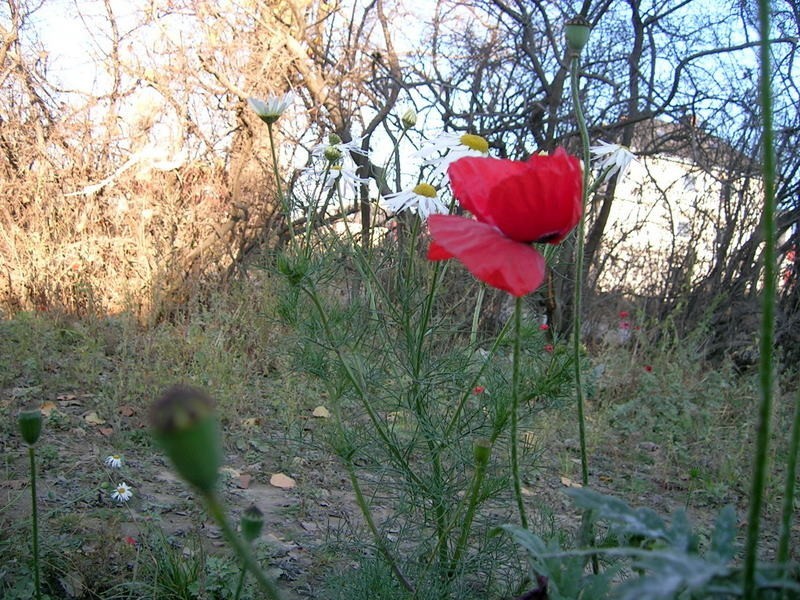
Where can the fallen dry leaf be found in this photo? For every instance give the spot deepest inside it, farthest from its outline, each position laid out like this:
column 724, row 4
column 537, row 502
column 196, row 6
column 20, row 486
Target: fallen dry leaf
column 106, row 431
column 279, row 480
column 321, row 412
column 244, row 480
column 127, row 411
column 47, row 408
column 251, row 422
column 569, row 483
column 92, row 418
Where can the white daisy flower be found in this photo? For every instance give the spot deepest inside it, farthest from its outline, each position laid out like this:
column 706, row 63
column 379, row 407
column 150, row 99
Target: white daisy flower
column 122, row 493
column 446, row 149
column 114, row 461
column 271, row 110
column 336, row 149
column 613, row 157
column 340, row 174
column 422, row 199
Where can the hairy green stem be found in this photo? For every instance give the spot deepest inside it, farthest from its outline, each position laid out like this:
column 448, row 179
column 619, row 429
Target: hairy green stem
column 789, row 488
column 461, row 544
column 283, row 200
column 514, row 416
column 576, row 309
column 586, row 529
column 240, row 583
column 240, row 547
column 35, row 524
column 768, row 312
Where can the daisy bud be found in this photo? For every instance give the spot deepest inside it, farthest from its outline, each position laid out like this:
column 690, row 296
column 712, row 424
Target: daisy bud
column 30, row 425
column 294, row 269
column 332, row 154
column 409, row 119
column 334, row 139
column 185, row 426
column 482, row 451
column 577, row 31
column 251, row 522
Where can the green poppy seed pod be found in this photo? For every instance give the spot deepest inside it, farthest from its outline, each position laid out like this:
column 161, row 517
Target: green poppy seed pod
column 185, row 426
column 251, row 522
column 409, row 119
column 30, row 425
column 577, row 31
column 483, row 451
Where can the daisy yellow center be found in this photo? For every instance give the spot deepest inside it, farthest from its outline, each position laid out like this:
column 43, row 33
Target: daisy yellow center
column 475, row 142
column 121, row 490
column 425, row 189
column 115, row 457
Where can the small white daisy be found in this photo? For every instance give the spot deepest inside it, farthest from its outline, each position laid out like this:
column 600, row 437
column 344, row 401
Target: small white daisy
column 336, row 149
column 114, row 461
column 122, row 493
column 422, row 199
column 446, row 149
column 613, row 157
column 340, row 174
column 271, row 110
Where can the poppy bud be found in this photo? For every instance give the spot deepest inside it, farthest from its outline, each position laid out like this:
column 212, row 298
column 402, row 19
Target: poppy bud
column 30, row 425
column 577, row 31
column 251, row 522
column 409, row 119
column 482, row 450
column 185, row 426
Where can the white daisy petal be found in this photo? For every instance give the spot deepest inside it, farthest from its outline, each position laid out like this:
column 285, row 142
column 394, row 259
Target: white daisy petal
column 447, row 148
column 122, row 493
column 614, row 157
column 114, row 461
column 422, row 200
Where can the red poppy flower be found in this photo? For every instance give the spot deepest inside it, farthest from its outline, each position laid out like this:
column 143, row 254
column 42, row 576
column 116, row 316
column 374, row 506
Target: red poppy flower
column 624, row 314
column 648, row 368
column 515, row 203
column 478, row 389
column 625, row 325
column 544, row 327
column 548, row 348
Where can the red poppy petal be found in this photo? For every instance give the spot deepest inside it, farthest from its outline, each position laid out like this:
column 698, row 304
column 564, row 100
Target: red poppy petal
column 535, row 201
column 436, row 252
column 488, row 254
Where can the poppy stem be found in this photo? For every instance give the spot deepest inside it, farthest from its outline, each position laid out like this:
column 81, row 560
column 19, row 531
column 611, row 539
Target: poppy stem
column 587, row 530
column 35, row 523
column 514, row 409
column 767, row 314
column 577, row 300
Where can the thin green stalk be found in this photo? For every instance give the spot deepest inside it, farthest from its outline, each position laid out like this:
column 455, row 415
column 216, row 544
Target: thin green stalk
column 284, row 203
column 35, row 523
column 514, row 409
column 476, row 315
column 362, row 504
column 461, row 544
column 576, row 309
column 789, row 488
column 240, row 547
column 587, row 530
column 768, row 313
column 240, row 584
column 400, row 460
